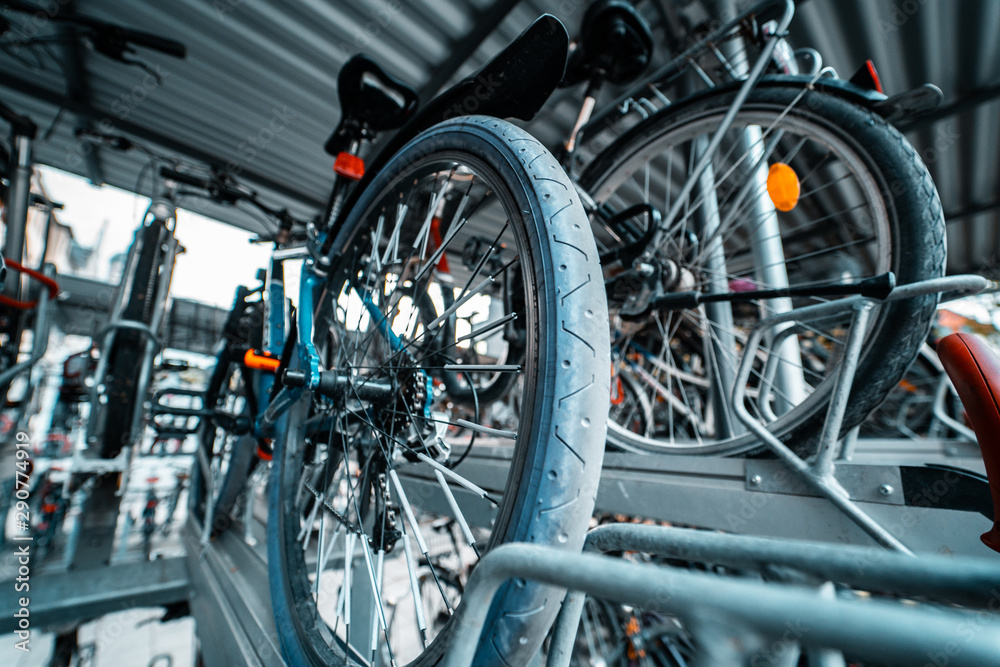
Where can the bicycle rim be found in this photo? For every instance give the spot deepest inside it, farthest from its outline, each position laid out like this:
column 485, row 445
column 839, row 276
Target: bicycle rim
column 730, row 237
column 363, row 475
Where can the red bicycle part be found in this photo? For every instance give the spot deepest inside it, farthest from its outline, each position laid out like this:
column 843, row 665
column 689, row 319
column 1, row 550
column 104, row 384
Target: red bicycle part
column 262, row 361
column 974, row 369
column 40, row 277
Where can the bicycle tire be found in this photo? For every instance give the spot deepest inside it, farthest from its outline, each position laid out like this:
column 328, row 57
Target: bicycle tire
column 550, row 488
column 903, row 206
column 126, row 352
column 230, row 457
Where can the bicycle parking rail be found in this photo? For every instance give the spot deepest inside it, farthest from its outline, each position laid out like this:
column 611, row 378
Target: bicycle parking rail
column 710, row 605
column 40, row 340
column 958, row 580
column 819, row 473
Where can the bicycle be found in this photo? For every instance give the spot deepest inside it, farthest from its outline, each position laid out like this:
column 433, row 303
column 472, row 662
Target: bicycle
column 51, row 511
column 364, row 413
column 20, row 308
column 230, row 447
column 110, row 40
column 731, row 184
column 172, row 502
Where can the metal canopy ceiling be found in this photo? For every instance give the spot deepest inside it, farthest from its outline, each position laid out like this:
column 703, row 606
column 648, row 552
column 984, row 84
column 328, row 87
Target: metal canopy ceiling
column 257, row 91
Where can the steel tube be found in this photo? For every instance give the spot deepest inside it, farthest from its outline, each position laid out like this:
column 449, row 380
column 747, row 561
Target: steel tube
column 871, row 629
column 830, row 435
column 40, row 338
column 17, row 205
column 969, row 581
column 960, row 579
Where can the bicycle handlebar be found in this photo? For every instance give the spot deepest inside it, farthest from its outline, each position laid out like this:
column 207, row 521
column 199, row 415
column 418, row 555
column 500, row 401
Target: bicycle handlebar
column 187, row 179
column 110, row 38
column 220, row 188
column 171, row 47
column 21, row 125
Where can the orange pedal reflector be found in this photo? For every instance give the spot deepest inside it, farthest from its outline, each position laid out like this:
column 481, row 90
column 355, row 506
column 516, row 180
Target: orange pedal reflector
column 349, row 166
column 261, row 362
column 783, row 186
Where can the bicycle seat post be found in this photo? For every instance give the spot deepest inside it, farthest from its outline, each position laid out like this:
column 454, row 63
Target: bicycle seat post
column 615, row 45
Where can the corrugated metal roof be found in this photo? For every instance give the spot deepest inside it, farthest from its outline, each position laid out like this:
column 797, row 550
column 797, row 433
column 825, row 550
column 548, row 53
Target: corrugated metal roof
column 258, row 88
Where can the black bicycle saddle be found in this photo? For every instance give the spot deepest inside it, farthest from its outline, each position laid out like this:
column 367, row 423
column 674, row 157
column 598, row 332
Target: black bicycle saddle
column 615, row 43
column 371, row 101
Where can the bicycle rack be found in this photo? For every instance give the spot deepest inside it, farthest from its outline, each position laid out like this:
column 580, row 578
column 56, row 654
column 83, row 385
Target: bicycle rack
column 819, row 474
column 760, row 614
column 739, row 611
column 40, row 339
column 733, row 621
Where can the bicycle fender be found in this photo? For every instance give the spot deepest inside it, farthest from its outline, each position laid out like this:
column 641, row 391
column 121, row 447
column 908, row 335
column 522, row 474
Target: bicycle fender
column 902, row 106
column 514, row 84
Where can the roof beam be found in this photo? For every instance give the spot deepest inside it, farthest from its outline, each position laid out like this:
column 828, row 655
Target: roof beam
column 91, row 112
column 485, row 23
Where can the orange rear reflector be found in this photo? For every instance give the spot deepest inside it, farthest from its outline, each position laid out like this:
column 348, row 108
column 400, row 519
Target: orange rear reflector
column 349, row 166
column 783, row 186
column 261, row 362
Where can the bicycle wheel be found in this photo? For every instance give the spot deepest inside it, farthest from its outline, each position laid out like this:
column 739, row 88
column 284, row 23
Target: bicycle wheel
column 124, row 367
column 230, row 452
column 630, row 407
column 362, row 473
column 867, row 205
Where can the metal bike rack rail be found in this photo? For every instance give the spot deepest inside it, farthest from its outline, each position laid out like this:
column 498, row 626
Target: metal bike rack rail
column 967, row 581
column 40, row 339
column 819, row 473
column 716, row 610
column 231, row 602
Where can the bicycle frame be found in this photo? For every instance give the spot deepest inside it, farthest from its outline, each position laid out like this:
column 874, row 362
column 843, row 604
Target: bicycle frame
column 536, row 57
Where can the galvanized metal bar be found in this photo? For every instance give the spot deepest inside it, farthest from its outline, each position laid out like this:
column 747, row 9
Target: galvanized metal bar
column 829, row 438
column 872, row 629
column 40, row 341
column 17, row 203
column 956, row 579
column 939, row 412
column 962, row 580
column 827, row 485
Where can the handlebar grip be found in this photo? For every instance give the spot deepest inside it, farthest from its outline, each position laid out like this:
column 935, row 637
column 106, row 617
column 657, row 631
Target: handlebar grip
column 188, row 179
column 20, row 125
column 171, row 47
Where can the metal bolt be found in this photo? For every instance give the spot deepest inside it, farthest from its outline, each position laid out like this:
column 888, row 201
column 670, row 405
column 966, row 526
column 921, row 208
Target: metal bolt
column 755, row 480
column 886, row 490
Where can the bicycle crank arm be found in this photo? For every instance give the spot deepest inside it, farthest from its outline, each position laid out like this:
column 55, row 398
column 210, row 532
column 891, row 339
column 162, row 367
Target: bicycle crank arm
column 334, row 385
column 877, row 287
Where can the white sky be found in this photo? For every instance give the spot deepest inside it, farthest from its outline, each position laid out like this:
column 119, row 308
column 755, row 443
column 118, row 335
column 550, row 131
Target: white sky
column 218, row 258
